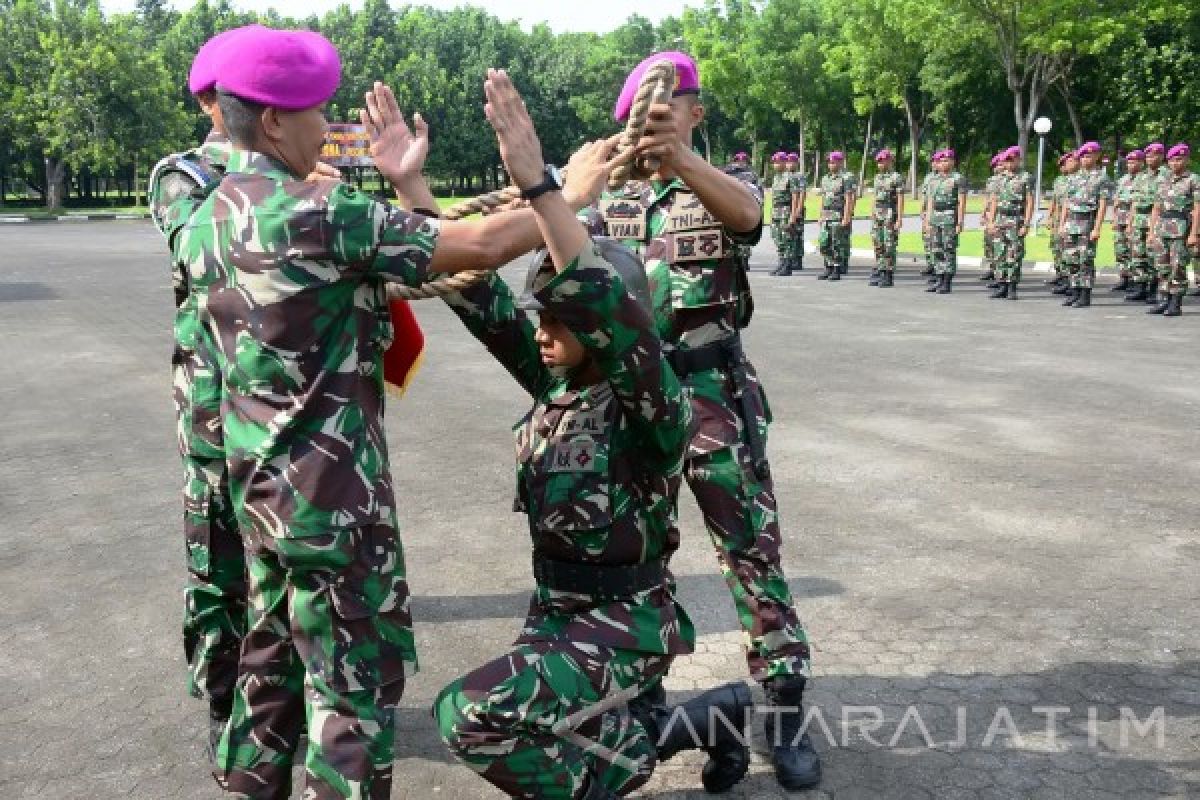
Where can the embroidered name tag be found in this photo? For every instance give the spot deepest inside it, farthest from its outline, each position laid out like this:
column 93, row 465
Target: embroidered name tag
column 687, row 214
column 700, row 245
column 624, row 219
column 578, row 455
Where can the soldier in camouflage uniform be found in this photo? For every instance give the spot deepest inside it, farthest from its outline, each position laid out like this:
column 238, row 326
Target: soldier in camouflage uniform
column 1081, row 221
column 599, row 463
column 1123, row 221
column 1142, row 195
column 293, row 278
column 795, row 228
column 886, row 213
column 1068, row 163
column 1157, row 173
column 781, row 213
column 944, row 212
column 1009, row 211
column 989, row 241
column 839, row 192
column 215, row 594
column 923, row 195
column 1176, row 217
column 740, row 169
column 684, row 221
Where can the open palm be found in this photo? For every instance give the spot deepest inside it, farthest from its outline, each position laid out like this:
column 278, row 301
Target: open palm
column 398, row 151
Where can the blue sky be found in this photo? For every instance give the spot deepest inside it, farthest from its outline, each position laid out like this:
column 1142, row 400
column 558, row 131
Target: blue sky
column 562, row 15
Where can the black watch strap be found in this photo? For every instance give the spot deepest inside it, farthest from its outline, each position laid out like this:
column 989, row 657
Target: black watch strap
column 549, row 184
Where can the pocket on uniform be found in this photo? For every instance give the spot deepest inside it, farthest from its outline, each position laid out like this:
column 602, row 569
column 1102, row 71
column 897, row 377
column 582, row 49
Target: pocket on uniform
column 197, row 526
column 572, row 488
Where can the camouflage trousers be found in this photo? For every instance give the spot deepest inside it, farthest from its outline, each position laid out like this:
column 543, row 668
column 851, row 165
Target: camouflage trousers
column 943, row 246
column 884, row 240
column 521, row 721
column 743, row 522
column 989, row 251
column 1009, row 249
column 781, row 233
column 796, row 234
column 1056, row 249
column 926, row 248
column 1140, row 264
column 214, row 597
column 1123, row 243
column 328, row 644
column 1173, row 269
column 1079, row 251
column 834, row 243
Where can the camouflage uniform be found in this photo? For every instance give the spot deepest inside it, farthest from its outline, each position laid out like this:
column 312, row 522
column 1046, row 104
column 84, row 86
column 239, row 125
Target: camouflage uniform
column 799, row 186
column 989, row 241
column 923, row 193
column 1177, row 196
column 945, row 190
column 781, row 212
column 1058, row 192
column 296, row 300
column 888, row 186
column 1122, row 216
column 1159, row 259
column 743, row 173
column 598, row 470
column 1012, row 193
column 702, row 299
column 215, row 594
column 1084, row 192
column 834, row 239
column 1143, row 195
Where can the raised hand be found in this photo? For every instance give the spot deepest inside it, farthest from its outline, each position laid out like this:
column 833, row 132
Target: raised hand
column 399, row 152
column 519, row 145
column 589, row 168
column 661, row 139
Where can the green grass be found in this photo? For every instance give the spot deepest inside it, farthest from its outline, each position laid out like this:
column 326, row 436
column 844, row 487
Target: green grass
column 1037, row 248
column 862, row 208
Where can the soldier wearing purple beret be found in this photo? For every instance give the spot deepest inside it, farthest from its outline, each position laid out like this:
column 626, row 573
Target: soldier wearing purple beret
column 1176, row 218
column 1081, row 221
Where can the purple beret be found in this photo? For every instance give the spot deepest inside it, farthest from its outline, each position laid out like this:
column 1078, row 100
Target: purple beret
column 1180, row 150
column 1135, row 155
column 1155, row 147
column 740, row 155
column 883, row 154
column 997, row 158
column 1065, row 156
column 793, row 157
column 292, row 70
column 836, row 155
column 778, row 156
column 1013, row 152
column 948, row 154
column 203, row 75
column 687, row 80
column 1088, row 148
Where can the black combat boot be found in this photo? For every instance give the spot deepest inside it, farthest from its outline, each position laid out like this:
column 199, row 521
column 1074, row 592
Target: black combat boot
column 874, row 279
column 712, row 722
column 1055, row 281
column 1194, row 292
column 990, row 275
column 1072, row 295
column 824, row 276
column 927, row 271
column 947, row 281
column 1061, row 288
column 843, row 268
column 887, row 279
column 837, row 274
column 1012, row 291
column 1174, row 305
column 1152, row 292
column 1002, row 291
column 797, row 765
column 1137, row 293
column 996, row 284
column 785, row 268
column 1122, row 286
column 934, row 283
column 1164, row 304
column 1084, row 298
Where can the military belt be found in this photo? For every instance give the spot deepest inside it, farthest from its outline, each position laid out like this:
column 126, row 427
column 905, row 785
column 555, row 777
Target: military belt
column 1143, row 209
column 945, row 206
column 702, row 359
column 603, row 581
column 1174, row 215
column 1081, row 214
column 1010, row 212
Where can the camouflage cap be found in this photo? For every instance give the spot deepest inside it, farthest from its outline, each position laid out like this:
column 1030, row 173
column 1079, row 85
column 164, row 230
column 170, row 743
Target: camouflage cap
column 625, row 263
column 292, row 70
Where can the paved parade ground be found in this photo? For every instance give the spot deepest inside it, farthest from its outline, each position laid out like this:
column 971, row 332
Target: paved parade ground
column 990, row 509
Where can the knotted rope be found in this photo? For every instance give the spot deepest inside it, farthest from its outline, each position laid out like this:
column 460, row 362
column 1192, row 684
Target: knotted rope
column 656, row 87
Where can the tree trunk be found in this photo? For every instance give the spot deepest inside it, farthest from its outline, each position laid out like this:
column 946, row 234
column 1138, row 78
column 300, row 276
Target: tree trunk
column 801, row 143
column 914, row 142
column 862, row 167
column 55, row 171
column 1072, row 114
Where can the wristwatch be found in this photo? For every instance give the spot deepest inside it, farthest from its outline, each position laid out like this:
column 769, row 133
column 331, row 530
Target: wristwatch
column 552, row 182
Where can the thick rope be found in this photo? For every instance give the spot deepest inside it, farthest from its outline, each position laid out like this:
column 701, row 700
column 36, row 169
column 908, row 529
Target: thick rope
column 656, row 87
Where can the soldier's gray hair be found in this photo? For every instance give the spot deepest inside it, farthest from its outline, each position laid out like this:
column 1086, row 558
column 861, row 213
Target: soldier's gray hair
column 241, row 118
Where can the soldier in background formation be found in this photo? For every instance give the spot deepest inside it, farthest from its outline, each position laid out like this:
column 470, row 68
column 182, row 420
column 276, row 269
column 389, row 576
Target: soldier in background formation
column 923, row 196
column 945, row 208
column 839, row 192
column 740, row 169
column 799, row 187
column 1009, row 210
column 1122, row 223
column 989, row 242
column 1081, row 219
column 782, row 213
column 1067, row 164
column 886, row 213
column 1176, row 221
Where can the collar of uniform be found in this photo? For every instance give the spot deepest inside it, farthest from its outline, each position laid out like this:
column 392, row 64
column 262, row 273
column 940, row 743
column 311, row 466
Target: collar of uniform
column 216, row 137
column 258, row 164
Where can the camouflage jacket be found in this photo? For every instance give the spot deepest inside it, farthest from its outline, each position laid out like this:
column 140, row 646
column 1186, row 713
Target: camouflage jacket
column 699, row 289
column 172, row 183
column 1083, row 194
column 834, row 189
column 1058, row 190
column 1123, row 192
column 1145, row 195
column 799, row 183
column 1177, row 196
column 944, row 192
column 1011, row 193
column 294, row 277
column 598, row 465
column 781, row 196
column 993, row 184
column 888, row 186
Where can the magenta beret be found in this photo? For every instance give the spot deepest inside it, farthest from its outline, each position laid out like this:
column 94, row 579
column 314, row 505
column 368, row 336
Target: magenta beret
column 203, row 75
column 883, row 154
column 836, row 155
column 778, row 156
column 948, row 154
column 1065, row 156
column 793, row 157
column 1155, row 147
column 687, row 80
column 740, row 155
column 1179, row 150
column 292, row 70
column 1089, row 147
column 1012, row 152
column 997, row 158
column 1135, row 155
